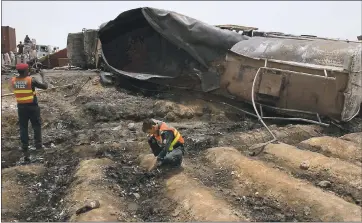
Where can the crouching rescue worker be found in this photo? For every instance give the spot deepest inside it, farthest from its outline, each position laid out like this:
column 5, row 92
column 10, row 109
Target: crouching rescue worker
column 23, row 87
column 166, row 142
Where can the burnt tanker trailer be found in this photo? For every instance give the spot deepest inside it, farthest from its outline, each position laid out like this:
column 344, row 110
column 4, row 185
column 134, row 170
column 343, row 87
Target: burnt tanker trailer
column 293, row 75
column 297, row 75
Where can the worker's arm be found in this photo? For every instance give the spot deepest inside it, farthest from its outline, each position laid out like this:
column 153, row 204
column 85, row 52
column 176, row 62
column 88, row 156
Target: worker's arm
column 167, row 138
column 41, row 85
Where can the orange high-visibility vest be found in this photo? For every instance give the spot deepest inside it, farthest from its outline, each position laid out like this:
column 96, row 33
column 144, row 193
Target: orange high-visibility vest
column 178, row 137
column 23, row 91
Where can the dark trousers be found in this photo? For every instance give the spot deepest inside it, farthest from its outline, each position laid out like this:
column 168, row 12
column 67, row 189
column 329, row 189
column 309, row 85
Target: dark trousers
column 173, row 158
column 32, row 113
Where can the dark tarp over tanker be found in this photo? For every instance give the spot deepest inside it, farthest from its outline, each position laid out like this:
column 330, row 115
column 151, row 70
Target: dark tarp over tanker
column 148, row 44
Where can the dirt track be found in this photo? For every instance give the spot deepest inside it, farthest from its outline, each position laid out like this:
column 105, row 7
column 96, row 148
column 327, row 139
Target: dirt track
column 96, row 151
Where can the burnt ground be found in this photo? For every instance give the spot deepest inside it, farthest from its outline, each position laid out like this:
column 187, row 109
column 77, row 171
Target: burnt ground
column 94, row 147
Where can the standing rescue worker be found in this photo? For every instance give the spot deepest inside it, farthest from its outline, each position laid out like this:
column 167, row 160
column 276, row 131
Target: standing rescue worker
column 166, row 142
column 20, row 48
column 23, row 87
column 26, row 39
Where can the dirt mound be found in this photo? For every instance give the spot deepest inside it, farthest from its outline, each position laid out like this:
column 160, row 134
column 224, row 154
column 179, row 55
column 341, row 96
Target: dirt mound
column 90, row 184
column 330, row 173
column 330, row 146
column 354, row 137
column 261, row 180
column 196, row 202
column 291, row 134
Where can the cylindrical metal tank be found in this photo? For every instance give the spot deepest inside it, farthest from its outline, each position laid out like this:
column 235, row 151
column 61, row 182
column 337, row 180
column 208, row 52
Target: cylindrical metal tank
column 320, row 75
column 310, row 51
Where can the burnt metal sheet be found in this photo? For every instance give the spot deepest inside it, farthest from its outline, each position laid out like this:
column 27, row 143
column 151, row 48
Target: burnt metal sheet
column 237, row 27
column 353, row 92
column 309, row 51
column 150, row 44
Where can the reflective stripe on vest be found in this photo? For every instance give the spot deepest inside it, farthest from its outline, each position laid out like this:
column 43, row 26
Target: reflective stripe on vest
column 23, row 91
column 177, row 135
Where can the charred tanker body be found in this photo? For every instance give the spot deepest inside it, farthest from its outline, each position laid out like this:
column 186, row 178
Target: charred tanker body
column 297, row 76
column 165, row 47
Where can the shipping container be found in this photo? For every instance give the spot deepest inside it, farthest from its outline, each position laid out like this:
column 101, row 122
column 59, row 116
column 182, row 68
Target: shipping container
column 8, row 39
column 75, row 47
column 63, row 62
column 52, row 60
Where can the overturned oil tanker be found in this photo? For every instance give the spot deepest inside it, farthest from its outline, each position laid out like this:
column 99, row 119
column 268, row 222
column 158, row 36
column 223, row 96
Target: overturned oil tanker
column 296, row 75
column 159, row 45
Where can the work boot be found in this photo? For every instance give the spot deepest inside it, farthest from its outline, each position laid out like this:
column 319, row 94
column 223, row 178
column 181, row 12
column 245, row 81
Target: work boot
column 26, row 156
column 26, row 153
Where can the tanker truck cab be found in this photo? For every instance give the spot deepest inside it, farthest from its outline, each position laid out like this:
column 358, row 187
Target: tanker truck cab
column 42, row 50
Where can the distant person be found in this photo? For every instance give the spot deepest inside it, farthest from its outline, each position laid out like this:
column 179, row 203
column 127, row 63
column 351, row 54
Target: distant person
column 27, row 45
column 20, row 48
column 23, row 87
column 27, row 39
column 7, row 59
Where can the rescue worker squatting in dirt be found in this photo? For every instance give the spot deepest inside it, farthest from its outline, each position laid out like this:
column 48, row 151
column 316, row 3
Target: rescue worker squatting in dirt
column 23, row 87
column 166, row 142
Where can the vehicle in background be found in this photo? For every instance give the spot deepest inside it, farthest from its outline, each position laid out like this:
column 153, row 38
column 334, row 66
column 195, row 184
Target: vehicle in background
column 44, row 50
